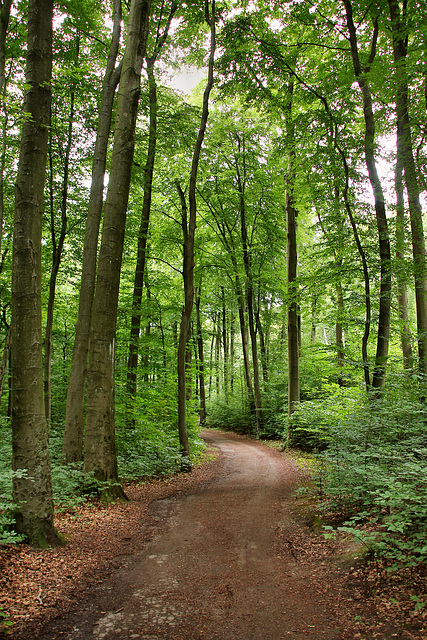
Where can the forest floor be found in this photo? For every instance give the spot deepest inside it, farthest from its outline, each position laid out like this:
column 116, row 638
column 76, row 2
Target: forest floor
column 223, row 553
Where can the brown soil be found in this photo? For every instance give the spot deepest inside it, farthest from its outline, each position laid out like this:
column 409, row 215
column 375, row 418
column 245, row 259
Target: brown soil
column 219, row 554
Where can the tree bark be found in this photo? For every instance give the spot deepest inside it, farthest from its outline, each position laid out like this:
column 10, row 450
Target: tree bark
column 72, row 447
column 5, row 6
column 57, row 248
column 188, row 250
column 399, row 32
column 402, row 294
column 378, row 378
column 201, row 362
column 100, row 448
column 132, row 367
column 32, row 490
column 249, row 286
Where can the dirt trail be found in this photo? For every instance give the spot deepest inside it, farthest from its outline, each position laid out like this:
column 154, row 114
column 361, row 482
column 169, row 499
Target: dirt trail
column 217, row 568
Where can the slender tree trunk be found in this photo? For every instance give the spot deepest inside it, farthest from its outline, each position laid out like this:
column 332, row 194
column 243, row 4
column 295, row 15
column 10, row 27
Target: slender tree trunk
column 201, row 365
column 245, row 342
column 402, row 295
column 378, row 379
column 131, row 379
column 32, row 490
column 249, row 287
column 231, row 352
column 5, row 359
column 313, row 319
column 5, row 6
column 100, row 447
column 263, row 341
column 72, row 447
column 188, row 257
column 57, row 248
column 399, row 32
column 292, row 261
column 339, row 333
column 225, row 344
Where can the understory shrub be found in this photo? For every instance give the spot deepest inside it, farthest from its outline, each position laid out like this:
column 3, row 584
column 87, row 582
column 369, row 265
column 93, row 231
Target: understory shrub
column 152, row 447
column 313, row 424
column 231, row 414
column 375, row 472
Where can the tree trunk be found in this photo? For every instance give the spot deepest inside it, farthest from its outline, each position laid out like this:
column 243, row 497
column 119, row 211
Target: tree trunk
column 72, row 447
column 402, row 295
column 399, row 31
column 132, row 367
column 100, row 448
column 378, row 378
column 4, row 24
column 249, row 288
column 292, row 261
column 225, row 344
column 57, row 248
column 245, row 343
column 201, row 364
column 32, row 490
column 188, row 251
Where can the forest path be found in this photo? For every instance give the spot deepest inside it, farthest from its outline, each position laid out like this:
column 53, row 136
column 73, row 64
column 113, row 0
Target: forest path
column 224, row 564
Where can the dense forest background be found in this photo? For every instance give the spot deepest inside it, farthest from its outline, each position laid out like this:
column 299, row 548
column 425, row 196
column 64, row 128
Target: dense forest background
column 258, row 263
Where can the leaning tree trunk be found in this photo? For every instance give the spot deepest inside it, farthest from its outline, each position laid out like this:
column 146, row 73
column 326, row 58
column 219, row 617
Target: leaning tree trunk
column 378, row 378
column 72, row 447
column 188, row 251
column 100, row 447
column 32, row 490
column 399, row 31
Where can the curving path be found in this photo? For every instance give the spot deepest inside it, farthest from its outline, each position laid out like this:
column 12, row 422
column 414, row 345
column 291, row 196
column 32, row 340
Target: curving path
column 215, row 569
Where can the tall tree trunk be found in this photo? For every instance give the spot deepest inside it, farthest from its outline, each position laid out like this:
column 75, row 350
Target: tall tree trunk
column 291, row 259
column 72, row 447
column 5, row 6
column 188, row 249
column 263, row 341
column 402, row 294
column 245, row 341
column 57, row 248
column 225, row 344
column 32, row 490
column 399, row 33
column 378, row 378
column 339, row 333
column 249, row 285
column 100, row 447
column 201, row 362
column 132, row 367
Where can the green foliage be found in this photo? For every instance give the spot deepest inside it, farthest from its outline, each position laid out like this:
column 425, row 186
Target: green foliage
column 375, row 472
column 313, row 424
column 5, row 623
column 152, row 448
column 231, row 415
column 7, row 534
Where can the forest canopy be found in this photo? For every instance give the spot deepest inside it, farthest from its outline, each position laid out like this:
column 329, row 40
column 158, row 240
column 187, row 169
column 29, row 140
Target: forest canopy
column 249, row 255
